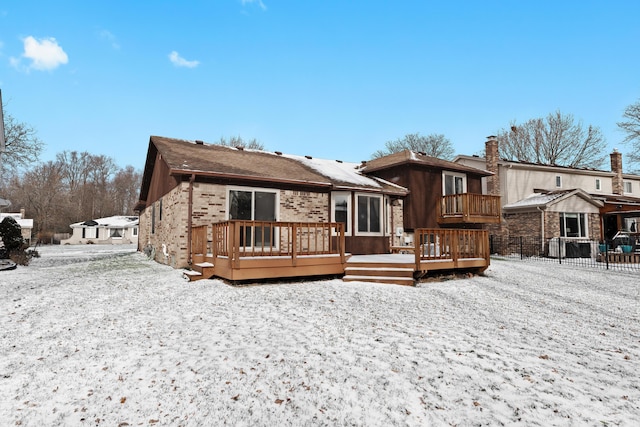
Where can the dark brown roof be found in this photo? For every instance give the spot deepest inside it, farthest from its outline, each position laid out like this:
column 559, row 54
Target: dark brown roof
column 190, row 157
column 410, row 157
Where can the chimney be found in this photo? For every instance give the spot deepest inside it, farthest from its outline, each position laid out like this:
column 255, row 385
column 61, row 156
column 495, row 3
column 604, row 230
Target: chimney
column 491, row 158
column 22, row 213
column 616, row 168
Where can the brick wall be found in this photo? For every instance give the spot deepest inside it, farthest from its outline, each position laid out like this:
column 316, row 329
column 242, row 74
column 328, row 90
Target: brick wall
column 525, row 224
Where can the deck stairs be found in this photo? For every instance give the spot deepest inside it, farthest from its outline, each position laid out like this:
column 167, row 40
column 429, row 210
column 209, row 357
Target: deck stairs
column 199, row 270
column 372, row 269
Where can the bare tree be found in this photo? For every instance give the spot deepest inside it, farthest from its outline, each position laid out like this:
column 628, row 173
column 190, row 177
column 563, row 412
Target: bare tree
column 556, row 140
column 124, row 190
column 41, row 193
column 22, row 146
column 631, row 126
column 238, row 142
column 434, row 145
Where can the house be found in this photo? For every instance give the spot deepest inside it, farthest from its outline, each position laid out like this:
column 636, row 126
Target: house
column 26, row 224
column 187, row 184
column 525, row 185
column 442, row 194
column 245, row 214
column 110, row 230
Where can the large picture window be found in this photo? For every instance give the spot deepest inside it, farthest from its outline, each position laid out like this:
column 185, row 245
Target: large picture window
column 254, row 205
column 369, row 214
column 573, row 225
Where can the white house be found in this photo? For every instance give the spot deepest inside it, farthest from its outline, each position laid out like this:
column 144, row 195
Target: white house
column 26, row 224
column 110, row 230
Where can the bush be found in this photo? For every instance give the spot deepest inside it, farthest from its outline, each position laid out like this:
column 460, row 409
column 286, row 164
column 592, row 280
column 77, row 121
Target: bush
column 14, row 245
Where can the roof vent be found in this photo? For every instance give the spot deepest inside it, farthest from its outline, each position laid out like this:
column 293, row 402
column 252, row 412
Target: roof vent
column 308, row 157
column 279, row 153
column 199, row 142
column 422, row 153
column 339, row 161
column 240, row 148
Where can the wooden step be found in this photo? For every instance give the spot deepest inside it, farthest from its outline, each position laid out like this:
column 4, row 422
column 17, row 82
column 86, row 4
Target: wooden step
column 375, row 271
column 391, row 280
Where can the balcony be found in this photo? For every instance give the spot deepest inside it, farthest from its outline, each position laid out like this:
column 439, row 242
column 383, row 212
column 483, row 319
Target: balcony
column 469, row 208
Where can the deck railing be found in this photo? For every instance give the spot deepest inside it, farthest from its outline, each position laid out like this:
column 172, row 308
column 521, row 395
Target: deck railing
column 468, row 207
column 238, row 238
column 454, row 244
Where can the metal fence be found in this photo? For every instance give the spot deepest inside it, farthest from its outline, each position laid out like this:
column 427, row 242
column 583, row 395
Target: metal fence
column 610, row 255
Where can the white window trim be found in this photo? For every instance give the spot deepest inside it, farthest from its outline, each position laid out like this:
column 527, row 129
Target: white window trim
column 350, row 224
column 586, row 224
column 624, row 187
column 454, row 174
column 253, row 207
column 275, row 244
column 382, row 216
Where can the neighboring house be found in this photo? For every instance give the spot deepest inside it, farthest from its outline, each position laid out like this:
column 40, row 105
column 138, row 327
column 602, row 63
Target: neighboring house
column 187, row 184
column 26, row 224
column 110, row 230
column 616, row 194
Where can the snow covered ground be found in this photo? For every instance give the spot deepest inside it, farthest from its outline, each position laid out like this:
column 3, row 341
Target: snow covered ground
column 100, row 335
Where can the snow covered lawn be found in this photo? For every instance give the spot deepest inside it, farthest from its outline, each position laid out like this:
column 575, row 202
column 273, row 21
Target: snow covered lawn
column 100, row 335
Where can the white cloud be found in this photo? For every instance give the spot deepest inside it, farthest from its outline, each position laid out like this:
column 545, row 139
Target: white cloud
column 110, row 38
column 257, row 2
column 179, row 61
column 45, row 54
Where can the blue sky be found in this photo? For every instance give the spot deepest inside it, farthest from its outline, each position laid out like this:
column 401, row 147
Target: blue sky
column 330, row 79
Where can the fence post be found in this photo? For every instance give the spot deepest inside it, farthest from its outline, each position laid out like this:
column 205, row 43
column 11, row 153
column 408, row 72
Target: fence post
column 560, row 250
column 606, row 253
column 521, row 249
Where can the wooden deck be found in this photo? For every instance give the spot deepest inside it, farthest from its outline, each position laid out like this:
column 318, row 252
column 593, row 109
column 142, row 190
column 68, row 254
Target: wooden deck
column 254, row 250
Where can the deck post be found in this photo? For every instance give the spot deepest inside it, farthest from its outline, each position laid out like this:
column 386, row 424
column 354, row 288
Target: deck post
column 234, row 253
column 294, row 244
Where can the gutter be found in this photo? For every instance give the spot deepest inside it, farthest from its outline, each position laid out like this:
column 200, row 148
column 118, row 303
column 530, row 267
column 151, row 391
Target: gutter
column 190, row 217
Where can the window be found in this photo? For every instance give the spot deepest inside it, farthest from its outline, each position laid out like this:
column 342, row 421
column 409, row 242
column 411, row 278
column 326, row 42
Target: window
column 153, row 218
column 134, row 231
column 254, row 205
column 558, row 181
column 573, row 225
column 628, row 188
column 369, row 214
column 341, row 209
column 116, row 233
column 89, row 232
column 598, row 184
column 453, row 183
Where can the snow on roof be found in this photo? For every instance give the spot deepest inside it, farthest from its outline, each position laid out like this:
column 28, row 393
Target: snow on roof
column 116, row 221
column 536, row 199
column 336, row 170
column 544, row 199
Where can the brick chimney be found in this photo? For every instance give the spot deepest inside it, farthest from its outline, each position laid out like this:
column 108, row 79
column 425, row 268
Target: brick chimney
column 616, row 168
column 491, row 157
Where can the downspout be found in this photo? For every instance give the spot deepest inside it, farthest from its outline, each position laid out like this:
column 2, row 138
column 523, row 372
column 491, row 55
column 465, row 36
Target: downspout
column 190, row 217
column 542, row 227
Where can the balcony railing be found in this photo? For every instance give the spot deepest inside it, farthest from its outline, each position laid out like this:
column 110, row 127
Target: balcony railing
column 470, row 209
column 451, row 248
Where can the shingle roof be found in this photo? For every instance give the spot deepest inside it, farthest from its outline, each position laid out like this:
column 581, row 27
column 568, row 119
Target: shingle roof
column 410, row 157
column 545, row 199
column 183, row 156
